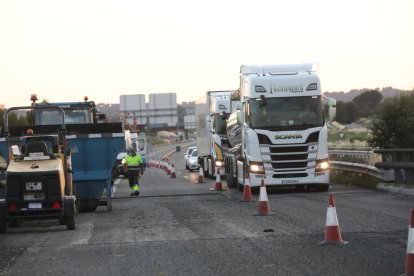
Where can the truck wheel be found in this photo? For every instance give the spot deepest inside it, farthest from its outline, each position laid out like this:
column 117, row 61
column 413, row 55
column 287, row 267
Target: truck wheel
column 212, row 173
column 70, row 223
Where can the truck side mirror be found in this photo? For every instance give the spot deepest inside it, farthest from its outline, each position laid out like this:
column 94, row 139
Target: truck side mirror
column 330, row 109
column 239, row 106
column 239, row 115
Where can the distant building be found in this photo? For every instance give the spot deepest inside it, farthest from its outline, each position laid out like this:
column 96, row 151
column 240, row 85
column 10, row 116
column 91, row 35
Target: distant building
column 189, row 107
column 134, row 109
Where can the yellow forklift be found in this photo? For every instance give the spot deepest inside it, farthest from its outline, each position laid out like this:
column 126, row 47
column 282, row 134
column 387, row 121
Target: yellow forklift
column 38, row 177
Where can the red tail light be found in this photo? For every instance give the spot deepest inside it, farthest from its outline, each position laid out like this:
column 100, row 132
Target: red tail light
column 12, row 207
column 56, row 205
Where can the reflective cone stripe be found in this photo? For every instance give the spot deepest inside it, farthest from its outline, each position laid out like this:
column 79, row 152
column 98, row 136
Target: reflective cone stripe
column 409, row 267
column 168, row 169
column 201, row 176
column 264, row 208
column 173, row 172
column 247, row 191
column 218, row 186
column 332, row 231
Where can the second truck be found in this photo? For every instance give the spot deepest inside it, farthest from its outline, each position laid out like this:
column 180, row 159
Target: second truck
column 212, row 111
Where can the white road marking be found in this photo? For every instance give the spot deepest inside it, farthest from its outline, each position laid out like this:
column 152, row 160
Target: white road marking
column 84, row 236
column 116, row 182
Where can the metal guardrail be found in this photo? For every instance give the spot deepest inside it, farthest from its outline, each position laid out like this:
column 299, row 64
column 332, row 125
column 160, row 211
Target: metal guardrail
column 389, row 165
column 399, row 163
column 357, row 167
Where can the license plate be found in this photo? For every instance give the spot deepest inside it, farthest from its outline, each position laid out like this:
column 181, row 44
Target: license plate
column 33, row 186
column 37, row 196
column 35, row 205
column 36, row 155
column 290, row 181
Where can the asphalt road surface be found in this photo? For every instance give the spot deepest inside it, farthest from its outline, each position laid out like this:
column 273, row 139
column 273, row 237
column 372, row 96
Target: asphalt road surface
column 180, row 227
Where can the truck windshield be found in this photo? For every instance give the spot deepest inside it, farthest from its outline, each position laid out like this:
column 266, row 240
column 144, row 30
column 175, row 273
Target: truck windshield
column 141, row 144
column 219, row 123
column 52, row 117
column 286, row 113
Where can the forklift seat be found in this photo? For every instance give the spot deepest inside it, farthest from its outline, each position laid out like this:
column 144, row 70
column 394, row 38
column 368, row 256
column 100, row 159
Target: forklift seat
column 36, row 146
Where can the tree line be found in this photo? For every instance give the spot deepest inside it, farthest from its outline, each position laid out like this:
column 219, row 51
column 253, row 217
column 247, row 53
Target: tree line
column 392, row 118
column 16, row 119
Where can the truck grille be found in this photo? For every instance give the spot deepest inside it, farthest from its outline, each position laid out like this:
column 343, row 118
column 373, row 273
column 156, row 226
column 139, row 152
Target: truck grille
column 289, row 160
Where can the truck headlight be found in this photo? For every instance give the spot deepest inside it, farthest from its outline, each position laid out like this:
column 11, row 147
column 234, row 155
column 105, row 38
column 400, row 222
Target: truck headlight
column 256, row 167
column 322, row 165
column 219, row 163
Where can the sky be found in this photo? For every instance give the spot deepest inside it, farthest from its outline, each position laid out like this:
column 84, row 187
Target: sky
column 65, row 50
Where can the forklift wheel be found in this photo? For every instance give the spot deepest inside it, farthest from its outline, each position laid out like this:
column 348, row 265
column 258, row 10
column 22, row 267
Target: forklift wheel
column 70, row 223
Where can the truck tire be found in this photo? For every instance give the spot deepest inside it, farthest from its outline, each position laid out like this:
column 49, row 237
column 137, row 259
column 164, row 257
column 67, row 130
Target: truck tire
column 231, row 181
column 70, row 223
column 212, row 173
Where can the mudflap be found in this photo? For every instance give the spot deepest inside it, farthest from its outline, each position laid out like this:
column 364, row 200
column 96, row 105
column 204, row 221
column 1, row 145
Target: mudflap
column 69, row 207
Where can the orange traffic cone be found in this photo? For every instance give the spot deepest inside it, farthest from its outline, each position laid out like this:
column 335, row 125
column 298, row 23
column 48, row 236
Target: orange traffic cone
column 201, row 176
column 264, row 208
column 332, row 232
column 218, row 186
column 409, row 267
column 173, row 171
column 247, row 191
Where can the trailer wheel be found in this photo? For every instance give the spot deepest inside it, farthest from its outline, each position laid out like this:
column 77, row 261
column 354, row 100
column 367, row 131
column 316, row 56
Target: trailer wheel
column 70, row 223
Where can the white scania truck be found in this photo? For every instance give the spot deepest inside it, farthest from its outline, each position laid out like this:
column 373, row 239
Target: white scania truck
column 212, row 111
column 278, row 132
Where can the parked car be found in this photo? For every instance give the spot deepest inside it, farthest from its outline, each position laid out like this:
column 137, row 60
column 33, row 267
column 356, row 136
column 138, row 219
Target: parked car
column 187, row 155
column 193, row 161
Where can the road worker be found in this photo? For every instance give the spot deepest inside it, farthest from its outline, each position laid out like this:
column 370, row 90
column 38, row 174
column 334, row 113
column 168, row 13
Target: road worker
column 133, row 167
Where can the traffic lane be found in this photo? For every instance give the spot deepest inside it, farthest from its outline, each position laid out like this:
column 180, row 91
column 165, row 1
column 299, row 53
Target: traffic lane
column 206, row 234
column 272, row 255
column 359, row 209
column 186, row 220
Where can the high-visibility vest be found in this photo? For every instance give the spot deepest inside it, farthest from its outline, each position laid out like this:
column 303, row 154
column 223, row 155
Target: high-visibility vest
column 133, row 160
